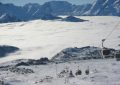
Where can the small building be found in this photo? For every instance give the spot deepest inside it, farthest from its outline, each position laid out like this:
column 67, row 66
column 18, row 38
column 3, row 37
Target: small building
column 108, row 53
column 117, row 55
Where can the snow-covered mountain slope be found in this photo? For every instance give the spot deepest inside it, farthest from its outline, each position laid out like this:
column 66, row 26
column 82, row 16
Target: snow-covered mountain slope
column 98, row 8
column 41, row 38
column 12, row 10
column 81, row 9
column 4, row 18
column 105, row 7
column 83, row 53
column 33, row 11
column 78, row 54
column 101, row 72
column 57, row 7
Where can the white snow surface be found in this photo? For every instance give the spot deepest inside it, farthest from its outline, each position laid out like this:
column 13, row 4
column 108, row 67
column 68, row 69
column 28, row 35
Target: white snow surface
column 102, row 72
column 39, row 38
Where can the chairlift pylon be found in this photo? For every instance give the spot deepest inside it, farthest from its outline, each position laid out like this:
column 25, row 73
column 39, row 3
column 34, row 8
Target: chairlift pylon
column 105, row 50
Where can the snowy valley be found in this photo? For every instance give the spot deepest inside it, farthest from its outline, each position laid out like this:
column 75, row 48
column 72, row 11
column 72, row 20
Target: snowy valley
column 39, row 38
column 52, row 38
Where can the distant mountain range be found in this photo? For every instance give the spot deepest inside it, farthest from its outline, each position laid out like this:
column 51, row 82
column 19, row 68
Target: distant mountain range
column 52, row 9
column 105, row 8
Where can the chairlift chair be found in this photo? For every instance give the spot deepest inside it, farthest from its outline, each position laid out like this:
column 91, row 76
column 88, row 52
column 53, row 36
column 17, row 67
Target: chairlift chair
column 79, row 72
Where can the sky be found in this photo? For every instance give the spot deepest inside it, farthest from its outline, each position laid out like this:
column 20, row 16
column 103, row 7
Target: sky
column 22, row 2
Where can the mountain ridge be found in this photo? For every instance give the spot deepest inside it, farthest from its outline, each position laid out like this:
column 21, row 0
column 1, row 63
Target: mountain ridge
column 33, row 11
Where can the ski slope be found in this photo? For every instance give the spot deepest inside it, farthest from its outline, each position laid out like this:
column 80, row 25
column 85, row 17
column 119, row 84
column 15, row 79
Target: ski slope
column 102, row 72
column 39, row 38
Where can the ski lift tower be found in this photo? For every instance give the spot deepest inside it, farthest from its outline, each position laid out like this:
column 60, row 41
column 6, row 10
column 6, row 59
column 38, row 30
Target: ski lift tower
column 106, row 52
column 103, row 40
column 56, row 69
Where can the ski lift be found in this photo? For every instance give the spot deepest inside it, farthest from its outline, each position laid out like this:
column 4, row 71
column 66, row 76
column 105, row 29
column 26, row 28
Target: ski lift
column 87, row 72
column 71, row 74
column 79, row 72
column 105, row 51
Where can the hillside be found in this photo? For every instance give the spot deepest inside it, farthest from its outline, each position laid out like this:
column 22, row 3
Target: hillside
column 101, row 72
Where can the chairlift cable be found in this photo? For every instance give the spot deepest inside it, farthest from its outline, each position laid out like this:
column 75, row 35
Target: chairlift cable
column 112, row 30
